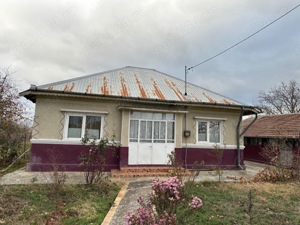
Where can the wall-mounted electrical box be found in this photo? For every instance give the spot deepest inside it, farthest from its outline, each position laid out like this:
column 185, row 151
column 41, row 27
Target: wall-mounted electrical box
column 187, row 133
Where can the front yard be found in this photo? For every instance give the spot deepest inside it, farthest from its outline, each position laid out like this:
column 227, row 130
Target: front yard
column 223, row 203
column 74, row 204
column 232, row 203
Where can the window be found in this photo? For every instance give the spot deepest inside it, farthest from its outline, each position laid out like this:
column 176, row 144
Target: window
column 78, row 125
column 209, row 131
column 148, row 127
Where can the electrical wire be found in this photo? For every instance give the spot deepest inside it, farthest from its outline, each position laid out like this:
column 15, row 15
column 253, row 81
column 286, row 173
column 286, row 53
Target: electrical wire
column 227, row 49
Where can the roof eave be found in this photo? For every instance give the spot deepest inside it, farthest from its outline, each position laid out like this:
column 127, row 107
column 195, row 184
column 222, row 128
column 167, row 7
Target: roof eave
column 31, row 94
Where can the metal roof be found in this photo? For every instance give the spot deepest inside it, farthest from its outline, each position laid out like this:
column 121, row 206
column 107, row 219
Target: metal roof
column 139, row 83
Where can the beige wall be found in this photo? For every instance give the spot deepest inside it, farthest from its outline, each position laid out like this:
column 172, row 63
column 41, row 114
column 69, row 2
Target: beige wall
column 125, row 128
column 229, row 124
column 49, row 119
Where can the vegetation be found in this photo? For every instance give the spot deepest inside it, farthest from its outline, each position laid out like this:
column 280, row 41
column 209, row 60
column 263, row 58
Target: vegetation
column 169, row 203
column 75, row 204
column 12, row 134
column 220, row 203
column 281, row 99
column 93, row 160
column 254, row 203
column 286, row 163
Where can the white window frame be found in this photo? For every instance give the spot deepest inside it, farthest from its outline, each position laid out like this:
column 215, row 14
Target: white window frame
column 208, row 121
column 84, row 115
column 153, row 140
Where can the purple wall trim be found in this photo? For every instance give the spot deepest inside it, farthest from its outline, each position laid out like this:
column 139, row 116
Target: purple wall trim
column 67, row 156
column 42, row 157
column 123, row 157
column 252, row 153
column 188, row 157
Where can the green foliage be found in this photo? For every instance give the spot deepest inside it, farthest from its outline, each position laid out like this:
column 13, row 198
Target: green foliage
column 168, row 204
column 75, row 204
column 233, row 203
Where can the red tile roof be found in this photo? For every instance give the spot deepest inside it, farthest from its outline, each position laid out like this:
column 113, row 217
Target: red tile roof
column 285, row 125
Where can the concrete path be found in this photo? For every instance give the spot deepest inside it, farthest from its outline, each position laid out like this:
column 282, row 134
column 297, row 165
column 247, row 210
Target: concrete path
column 127, row 198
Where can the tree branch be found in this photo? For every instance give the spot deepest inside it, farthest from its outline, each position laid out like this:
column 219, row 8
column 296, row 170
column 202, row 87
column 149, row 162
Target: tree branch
column 13, row 163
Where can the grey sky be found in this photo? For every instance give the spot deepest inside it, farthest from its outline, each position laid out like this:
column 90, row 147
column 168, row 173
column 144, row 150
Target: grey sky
column 48, row 41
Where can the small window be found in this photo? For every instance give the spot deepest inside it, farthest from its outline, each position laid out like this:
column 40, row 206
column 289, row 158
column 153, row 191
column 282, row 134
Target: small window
column 80, row 125
column 75, row 126
column 93, row 127
column 209, row 131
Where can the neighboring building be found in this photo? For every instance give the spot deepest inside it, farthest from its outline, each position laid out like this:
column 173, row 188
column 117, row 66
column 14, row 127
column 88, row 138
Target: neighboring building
column 146, row 110
column 285, row 127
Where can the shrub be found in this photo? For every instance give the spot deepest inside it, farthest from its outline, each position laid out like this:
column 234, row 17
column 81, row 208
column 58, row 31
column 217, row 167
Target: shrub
column 167, row 199
column 93, row 160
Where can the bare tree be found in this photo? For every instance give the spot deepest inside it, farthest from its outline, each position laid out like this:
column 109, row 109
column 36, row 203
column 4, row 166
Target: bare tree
column 11, row 112
column 282, row 99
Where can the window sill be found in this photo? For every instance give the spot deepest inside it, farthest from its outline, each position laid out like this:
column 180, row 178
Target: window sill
column 63, row 141
column 213, row 146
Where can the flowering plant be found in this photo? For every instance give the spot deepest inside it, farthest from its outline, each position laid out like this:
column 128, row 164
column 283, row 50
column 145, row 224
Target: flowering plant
column 166, row 199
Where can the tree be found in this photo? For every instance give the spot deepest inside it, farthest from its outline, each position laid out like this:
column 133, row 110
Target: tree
column 282, row 99
column 11, row 112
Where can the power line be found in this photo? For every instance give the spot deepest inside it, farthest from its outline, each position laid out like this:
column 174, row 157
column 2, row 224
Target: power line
column 227, row 49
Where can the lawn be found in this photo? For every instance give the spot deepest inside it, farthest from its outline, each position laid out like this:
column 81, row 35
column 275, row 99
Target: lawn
column 224, row 203
column 228, row 203
column 73, row 204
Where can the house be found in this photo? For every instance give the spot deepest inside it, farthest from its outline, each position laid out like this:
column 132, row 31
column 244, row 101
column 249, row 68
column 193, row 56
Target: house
column 265, row 129
column 147, row 111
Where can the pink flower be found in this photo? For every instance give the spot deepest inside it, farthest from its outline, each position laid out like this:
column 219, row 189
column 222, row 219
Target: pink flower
column 196, row 203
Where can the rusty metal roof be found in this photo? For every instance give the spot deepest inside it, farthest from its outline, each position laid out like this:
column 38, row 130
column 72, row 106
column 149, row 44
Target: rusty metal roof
column 285, row 126
column 138, row 82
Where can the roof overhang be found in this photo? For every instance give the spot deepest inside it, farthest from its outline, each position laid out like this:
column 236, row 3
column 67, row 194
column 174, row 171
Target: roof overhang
column 33, row 92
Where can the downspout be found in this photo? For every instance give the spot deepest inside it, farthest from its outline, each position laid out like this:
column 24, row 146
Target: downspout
column 238, row 139
column 239, row 135
column 186, row 152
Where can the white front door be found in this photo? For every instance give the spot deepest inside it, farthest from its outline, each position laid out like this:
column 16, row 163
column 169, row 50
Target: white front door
column 151, row 138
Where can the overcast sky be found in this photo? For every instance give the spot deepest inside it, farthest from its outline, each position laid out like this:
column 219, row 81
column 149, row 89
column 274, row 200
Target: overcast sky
column 48, row 41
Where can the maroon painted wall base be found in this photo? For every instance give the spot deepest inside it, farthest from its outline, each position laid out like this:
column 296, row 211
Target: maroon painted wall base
column 123, row 157
column 43, row 157
column 253, row 153
column 196, row 158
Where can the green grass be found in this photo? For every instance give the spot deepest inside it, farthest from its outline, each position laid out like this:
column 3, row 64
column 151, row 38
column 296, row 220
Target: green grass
column 228, row 203
column 74, row 204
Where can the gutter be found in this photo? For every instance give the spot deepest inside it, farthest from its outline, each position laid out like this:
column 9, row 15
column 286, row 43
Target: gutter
column 34, row 91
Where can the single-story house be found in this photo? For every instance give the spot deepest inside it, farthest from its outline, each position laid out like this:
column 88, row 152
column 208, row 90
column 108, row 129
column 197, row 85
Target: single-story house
column 148, row 112
column 285, row 127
